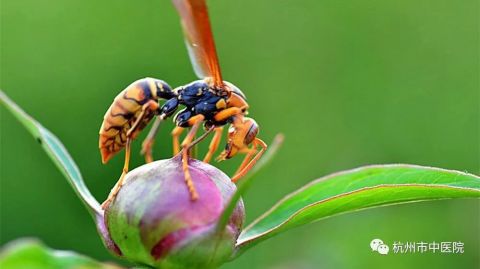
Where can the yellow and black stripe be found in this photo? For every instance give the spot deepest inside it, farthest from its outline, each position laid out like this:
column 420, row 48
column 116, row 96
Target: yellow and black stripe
column 124, row 111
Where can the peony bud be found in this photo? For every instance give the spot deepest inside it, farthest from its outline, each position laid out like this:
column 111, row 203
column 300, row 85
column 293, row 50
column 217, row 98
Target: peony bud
column 153, row 221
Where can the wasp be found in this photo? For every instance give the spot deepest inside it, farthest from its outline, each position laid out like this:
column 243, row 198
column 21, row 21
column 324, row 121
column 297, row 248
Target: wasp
column 210, row 101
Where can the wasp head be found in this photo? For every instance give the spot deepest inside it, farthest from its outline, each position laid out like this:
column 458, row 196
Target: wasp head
column 241, row 134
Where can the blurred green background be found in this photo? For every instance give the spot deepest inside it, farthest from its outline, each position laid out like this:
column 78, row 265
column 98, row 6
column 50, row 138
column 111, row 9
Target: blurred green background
column 349, row 83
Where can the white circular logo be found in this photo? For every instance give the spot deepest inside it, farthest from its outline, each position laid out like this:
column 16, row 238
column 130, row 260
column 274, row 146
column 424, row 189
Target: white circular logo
column 375, row 243
column 383, row 249
column 378, row 246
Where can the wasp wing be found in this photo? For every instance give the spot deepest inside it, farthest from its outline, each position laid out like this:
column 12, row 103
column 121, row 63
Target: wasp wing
column 199, row 39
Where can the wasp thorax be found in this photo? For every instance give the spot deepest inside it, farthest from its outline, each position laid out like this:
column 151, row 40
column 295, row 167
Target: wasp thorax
column 153, row 220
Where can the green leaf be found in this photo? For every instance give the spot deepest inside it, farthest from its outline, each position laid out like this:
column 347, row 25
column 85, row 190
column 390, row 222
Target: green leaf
column 245, row 183
column 57, row 152
column 358, row 189
column 30, row 253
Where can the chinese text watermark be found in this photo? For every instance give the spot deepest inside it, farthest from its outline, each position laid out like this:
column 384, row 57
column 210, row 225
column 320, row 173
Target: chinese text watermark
column 399, row 247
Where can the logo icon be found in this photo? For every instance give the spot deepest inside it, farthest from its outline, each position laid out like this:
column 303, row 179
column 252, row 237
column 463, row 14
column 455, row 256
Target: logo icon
column 378, row 246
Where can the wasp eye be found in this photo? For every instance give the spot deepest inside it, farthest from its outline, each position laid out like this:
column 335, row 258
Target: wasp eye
column 251, row 134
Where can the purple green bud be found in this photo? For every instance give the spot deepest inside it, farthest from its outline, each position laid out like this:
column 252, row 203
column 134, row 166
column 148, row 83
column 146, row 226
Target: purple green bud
column 153, row 220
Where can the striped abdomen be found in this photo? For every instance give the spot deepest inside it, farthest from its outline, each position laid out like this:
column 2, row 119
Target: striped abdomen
column 125, row 110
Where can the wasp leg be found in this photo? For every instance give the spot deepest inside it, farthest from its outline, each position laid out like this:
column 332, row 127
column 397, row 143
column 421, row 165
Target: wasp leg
column 119, row 183
column 147, row 144
column 199, row 139
column 202, row 137
column 227, row 113
column 150, row 105
column 195, row 122
column 249, row 166
column 177, row 131
column 214, row 144
column 221, row 116
column 250, row 153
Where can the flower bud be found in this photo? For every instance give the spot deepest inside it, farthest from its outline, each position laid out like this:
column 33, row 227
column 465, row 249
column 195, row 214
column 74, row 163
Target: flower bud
column 154, row 221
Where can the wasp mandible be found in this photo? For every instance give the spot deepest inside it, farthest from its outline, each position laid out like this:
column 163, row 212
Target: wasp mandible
column 210, row 101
